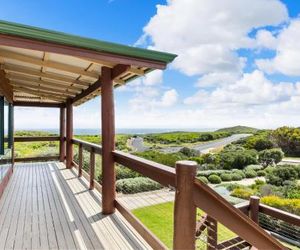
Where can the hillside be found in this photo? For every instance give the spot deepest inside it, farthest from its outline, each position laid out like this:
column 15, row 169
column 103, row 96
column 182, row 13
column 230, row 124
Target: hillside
column 238, row 130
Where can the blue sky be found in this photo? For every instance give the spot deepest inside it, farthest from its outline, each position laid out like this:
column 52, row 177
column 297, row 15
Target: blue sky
column 238, row 61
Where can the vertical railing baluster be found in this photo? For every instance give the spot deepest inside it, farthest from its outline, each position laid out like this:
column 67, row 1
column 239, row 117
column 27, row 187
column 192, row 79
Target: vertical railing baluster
column 92, row 168
column 80, row 159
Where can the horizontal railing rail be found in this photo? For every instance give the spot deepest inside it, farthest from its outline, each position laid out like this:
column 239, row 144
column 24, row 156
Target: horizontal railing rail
column 280, row 215
column 88, row 145
column 155, row 171
column 37, row 139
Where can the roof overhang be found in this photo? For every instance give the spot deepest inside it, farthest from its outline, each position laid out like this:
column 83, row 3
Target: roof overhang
column 42, row 66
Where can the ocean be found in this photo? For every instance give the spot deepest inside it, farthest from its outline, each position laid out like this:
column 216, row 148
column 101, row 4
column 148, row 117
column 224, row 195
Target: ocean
column 82, row 131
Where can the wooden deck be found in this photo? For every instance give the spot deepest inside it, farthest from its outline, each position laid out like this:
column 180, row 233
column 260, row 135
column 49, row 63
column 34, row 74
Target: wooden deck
column 45, row 206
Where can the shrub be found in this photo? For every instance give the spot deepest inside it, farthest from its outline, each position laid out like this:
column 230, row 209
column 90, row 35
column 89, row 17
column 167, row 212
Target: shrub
column 203, row 179
column 189, row 152
column 214, row 179
column 269, row 157
column 207, row 173
column 232, row 186
column 125, row 173
column 261, row 173
column 236, row 177
column 250, row 173
column 226, row 177
column 136, row 185
column 289, row 205
column 243, row 193
column 280, row 174
column 254, row 167
column 240, row 173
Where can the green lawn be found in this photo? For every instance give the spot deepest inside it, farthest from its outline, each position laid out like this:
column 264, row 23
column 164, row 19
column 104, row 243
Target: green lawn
column 159, row 219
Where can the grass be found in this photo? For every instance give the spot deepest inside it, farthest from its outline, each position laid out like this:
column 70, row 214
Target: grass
column 159, row 219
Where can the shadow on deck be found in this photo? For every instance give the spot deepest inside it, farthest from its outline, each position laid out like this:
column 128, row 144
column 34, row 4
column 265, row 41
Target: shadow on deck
column 46, row 206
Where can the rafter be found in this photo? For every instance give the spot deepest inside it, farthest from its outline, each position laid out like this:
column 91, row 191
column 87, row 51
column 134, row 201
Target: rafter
column 27, row 79
column 30, row 71
column 41, row 87
column 40, row 93
column 39, row 62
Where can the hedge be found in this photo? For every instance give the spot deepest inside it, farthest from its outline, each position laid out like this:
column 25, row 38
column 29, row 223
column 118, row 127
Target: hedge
column 136, row 185
column 289, row 205
column 214, row 179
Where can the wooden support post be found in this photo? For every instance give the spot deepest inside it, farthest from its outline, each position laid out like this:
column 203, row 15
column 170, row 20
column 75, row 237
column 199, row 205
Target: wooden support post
column 2, row 125
column 62, row 134
column 92, row 169
column 11, row 143
column 254, row 208
column 80, row 159
column 69, row 128
column 108, row 142
column 212, row 233
column 184, row 207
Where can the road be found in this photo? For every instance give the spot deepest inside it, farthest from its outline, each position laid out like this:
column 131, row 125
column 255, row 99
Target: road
column 206, row 146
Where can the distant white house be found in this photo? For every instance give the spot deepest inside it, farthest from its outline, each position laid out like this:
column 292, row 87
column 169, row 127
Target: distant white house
column 137, row 144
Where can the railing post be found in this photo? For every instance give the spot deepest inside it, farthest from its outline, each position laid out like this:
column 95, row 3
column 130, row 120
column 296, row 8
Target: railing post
column 254, row 208
column 108, row 142
column 212, row 233
column 184, row 207
column 62, row 134
column 80, row 160
column 92, row 169
column 69, row 156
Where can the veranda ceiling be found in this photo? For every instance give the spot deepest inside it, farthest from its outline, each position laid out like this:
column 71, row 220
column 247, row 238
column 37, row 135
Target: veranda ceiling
column 46, row 66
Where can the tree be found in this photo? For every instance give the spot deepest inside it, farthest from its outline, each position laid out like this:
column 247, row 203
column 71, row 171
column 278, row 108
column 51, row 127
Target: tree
column 269, row 157
column 288, row 139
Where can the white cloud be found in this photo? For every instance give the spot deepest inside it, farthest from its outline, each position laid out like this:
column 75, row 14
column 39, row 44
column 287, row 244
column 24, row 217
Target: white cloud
column 206, row 33
column 153, row 78
column 287, row 56
column 169, row 98
column 252, row 89
column 265, row 39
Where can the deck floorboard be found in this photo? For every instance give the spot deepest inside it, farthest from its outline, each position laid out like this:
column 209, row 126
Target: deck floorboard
column 46, row 206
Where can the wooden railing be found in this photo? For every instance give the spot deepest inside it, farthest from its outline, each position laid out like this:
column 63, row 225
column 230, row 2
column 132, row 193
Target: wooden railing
column 37, row 139
column 190, row 194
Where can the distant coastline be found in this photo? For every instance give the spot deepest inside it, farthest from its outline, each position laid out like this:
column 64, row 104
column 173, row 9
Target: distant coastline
column 123, row 130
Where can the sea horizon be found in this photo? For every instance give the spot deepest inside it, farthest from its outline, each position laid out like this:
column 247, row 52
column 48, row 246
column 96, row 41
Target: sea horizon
column 95, row 131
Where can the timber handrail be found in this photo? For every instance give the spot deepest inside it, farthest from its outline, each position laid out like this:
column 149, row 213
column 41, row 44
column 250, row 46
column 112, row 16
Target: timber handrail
column 88, row 145
column 220, row 209
column 155, row 171
column 35, row 138
column 279, row 214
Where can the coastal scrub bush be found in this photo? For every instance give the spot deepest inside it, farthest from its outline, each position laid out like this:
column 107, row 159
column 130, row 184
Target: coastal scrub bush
column 226, row 177
column 261, row 173
column 250, row 173
column 136, row 185
column 236, row 177
column 280, row 174
column 243, row 193
column 269, row 157
column 214, row 179
column 189, row 152
column 289, row 205
column 240, row 173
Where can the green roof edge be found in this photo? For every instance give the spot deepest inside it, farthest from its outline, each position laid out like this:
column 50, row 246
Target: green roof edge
column 26, row 31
